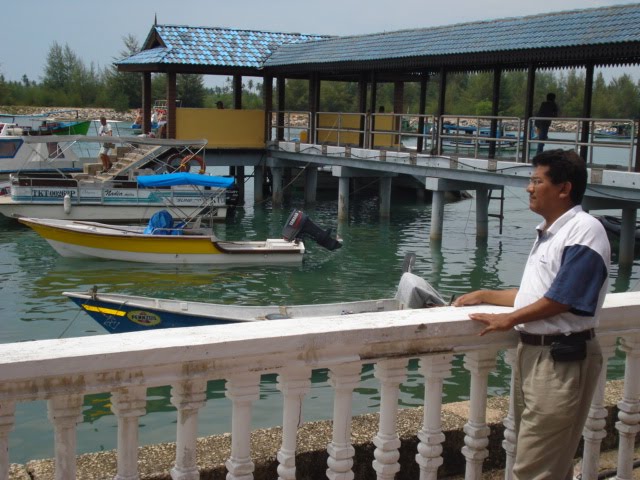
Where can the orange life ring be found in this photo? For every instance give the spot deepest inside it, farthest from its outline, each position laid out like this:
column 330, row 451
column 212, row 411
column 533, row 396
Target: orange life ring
column 183, row 166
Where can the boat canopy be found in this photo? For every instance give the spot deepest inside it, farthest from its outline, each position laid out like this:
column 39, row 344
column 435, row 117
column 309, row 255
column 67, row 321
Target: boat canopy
column 184, row 178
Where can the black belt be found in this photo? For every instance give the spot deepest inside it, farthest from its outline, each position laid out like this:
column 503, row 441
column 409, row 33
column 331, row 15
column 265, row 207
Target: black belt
column 546, row 340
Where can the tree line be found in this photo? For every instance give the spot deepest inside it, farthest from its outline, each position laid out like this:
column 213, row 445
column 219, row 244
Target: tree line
column 68, row 82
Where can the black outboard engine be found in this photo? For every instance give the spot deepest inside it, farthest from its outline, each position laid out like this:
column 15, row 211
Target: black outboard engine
column 299, row 225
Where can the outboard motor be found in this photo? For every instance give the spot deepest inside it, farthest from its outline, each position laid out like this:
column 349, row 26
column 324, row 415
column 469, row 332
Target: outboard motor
column 299, row 225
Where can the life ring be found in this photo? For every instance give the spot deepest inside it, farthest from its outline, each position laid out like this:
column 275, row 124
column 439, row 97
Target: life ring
column 183, row 166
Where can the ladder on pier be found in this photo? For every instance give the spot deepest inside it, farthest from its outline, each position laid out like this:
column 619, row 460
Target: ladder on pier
column 501, row 198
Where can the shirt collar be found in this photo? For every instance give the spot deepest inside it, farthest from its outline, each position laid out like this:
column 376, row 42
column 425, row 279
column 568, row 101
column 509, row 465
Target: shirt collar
column 559, row 223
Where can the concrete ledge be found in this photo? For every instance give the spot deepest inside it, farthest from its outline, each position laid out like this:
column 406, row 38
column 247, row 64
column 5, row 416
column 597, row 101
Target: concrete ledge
column 155, row 461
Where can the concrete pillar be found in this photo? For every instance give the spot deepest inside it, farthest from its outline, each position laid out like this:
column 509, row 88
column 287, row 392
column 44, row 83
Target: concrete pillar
column 188, row 397
column 344, row 379
column 240, row 183
column 627, row 236
column 482, row 212
column 310, row 184
column 343, row 198
column 128, row 404
column 390, row 373
column 7, row 420
column 294, row 385
column 65, row 412
column 434, row 369
column 385, row 197
column 476, row 430
column 437, row 215
column 258, row 184
column 242, row 390
column 276, row 188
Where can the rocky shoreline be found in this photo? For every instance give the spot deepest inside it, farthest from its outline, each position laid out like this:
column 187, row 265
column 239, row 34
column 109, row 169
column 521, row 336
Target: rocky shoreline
column 68, row 113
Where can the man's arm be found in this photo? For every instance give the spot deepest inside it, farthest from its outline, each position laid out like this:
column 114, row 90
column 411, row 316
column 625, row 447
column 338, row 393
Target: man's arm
column 504, row 298
column 538, row 310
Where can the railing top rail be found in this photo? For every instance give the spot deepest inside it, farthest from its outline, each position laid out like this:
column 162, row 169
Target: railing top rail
column 215, row 351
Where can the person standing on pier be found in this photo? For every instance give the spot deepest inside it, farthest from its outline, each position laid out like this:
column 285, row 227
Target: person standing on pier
column 556, row 310
column 548, row 108
column 105, row 131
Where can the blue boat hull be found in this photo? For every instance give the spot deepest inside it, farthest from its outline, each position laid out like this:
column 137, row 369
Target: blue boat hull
column 125, row 318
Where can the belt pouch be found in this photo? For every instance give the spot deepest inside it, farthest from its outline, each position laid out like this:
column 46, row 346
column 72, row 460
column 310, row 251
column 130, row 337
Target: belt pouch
column 569, row 352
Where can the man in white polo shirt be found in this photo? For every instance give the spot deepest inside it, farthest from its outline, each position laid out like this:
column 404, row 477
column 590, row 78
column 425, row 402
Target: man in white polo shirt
column 556, row 310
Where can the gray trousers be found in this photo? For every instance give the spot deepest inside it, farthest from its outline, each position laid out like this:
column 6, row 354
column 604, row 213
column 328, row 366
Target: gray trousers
column 552, row 400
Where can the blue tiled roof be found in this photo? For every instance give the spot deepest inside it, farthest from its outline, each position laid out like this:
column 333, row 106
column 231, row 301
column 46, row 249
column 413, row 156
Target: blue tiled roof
column 213, row 46
column 564, row 29
column 225, row 47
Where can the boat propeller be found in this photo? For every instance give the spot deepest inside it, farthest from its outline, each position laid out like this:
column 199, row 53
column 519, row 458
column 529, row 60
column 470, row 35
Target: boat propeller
column 299, row 225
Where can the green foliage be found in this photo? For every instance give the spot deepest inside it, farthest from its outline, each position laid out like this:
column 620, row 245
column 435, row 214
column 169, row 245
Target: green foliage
column 67, row 81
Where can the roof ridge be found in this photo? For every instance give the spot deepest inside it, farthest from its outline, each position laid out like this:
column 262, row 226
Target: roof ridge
column 243, row 30
column 482, row 22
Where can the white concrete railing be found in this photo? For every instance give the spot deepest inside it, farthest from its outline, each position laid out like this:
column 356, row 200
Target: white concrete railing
column 63, row 371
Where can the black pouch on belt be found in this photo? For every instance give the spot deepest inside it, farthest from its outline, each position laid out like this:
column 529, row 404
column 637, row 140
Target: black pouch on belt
column 569, row 352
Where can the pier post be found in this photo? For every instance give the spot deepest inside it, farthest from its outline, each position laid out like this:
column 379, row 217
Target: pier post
column 310, row 184
column 385, row 197
column 276, row 194
column 482, row 212
column 240, row 183
column 258, row 184
column 188, row 397
column 128, row 404
column 7, row 420
column 627, row 236
column 65, row 412
column 343, row 198
column 437, row 215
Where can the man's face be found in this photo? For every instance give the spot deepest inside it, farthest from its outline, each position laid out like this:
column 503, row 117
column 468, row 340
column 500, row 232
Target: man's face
column 545, row 198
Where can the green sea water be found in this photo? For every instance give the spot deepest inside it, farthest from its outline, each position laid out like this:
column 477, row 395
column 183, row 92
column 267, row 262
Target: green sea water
column 32, row 277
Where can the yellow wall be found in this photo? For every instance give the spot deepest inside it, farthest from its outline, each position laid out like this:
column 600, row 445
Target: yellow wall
column 383, row 123
column 332, row 121
column 222, row 128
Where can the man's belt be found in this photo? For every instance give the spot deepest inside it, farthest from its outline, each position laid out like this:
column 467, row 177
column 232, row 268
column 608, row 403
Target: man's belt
column 546, row 340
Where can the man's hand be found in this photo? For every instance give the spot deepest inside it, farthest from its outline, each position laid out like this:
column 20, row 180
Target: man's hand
column 472, row 298
column 495, row 322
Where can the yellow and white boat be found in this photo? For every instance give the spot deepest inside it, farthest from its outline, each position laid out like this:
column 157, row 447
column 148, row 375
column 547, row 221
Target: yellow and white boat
column 80, row 239
column 163, row 242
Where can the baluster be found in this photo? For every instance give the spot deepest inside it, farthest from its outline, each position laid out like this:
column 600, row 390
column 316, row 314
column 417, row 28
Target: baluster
column 64, row 413
column 476, row 439
column 7, row 421
column 510, row 440
column 391, row 374
column 242, row 390
column 188, row 397
column 595, row 427
column 628, row 424
column 343, row 378
column 128, row 404
column 294, row 385
column 434, row 368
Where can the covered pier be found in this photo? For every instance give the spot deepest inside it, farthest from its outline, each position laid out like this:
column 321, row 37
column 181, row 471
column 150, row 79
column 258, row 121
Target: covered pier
column 585, row 39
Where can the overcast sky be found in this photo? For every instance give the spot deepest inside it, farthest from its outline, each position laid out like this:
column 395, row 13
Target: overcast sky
column 94, row 30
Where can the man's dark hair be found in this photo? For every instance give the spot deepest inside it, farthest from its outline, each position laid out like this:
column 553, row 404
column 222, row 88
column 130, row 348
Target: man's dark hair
column 551, row 97
column 565, row 166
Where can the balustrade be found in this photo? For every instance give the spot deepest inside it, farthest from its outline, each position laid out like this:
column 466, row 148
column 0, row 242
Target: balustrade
column 63, row 371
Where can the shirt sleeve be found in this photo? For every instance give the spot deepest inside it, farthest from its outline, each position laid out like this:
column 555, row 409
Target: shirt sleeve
column 579, row 280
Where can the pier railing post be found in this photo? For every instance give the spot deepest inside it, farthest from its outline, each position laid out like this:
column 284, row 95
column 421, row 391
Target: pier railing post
column 294, row 385
column 188, row 397
column 628, row 424
column 343, row 378
column 476, row 440
column 391, row 374
column 509, row 442
column 7, row 421
column 129, row 404
column 65, row 412
column 434, row 368
column 242, row 390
